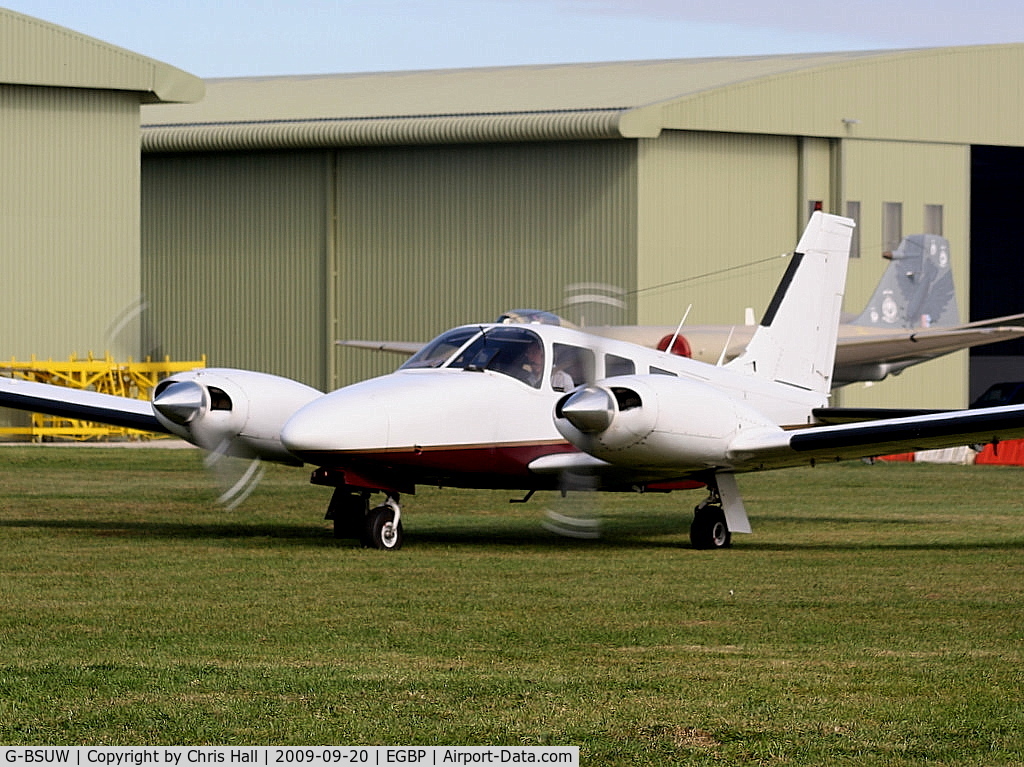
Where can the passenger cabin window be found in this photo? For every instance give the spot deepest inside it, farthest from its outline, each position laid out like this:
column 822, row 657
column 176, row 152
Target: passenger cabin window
column 618, row 366
column 573, row 366
column 511, row 351
column 437, row 352
column 661, row 372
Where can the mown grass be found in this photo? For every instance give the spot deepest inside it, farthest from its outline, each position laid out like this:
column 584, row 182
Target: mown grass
column 874, row 618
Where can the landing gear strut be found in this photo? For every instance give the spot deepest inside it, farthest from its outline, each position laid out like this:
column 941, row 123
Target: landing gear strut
column 376, row 528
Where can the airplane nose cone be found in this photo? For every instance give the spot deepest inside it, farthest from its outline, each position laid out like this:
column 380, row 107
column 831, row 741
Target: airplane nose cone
column 589, row 409
column 334, row 424
column 180, row 402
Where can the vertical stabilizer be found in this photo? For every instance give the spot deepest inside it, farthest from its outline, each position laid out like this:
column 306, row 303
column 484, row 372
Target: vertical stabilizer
column 916, row 290
column 795, row 343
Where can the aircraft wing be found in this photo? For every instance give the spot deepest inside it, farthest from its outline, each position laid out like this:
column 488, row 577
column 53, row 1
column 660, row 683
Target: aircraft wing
column 773, row 448
column 917, row 344
column 1006, row 319
column 79, row 404
column 407, row 348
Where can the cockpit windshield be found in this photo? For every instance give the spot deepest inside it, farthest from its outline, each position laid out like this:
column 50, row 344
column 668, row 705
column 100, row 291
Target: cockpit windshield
column 512, row 351
column 437, row 352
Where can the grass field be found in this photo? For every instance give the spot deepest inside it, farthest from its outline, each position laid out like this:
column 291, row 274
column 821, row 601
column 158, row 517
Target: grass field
column 874, row 617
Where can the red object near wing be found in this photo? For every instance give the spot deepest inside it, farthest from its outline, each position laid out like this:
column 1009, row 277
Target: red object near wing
column 680, row 346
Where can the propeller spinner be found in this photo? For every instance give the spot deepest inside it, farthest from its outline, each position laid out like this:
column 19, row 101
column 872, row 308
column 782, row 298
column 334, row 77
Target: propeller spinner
column 181, row 402
column 589, row 408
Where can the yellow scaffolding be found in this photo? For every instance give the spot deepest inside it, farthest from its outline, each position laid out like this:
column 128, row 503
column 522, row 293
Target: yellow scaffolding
column 123, row 379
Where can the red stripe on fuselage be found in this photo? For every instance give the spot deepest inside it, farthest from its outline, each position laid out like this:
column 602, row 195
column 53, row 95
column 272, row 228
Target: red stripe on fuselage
column 471, row 466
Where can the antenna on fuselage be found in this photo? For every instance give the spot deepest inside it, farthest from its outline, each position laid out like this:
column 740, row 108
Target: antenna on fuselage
column 679, row 328
column 721, row 357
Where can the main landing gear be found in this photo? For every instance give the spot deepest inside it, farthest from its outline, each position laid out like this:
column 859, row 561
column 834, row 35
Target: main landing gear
column 719, row 515
column 709, row 530
column 376, row 528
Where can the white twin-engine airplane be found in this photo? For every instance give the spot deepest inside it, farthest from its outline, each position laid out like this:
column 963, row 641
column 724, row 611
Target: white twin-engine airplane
column 533, row 406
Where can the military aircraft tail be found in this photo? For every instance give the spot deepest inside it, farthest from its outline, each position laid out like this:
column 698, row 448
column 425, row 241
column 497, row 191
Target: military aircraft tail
column 795, row 342
column 916, row 290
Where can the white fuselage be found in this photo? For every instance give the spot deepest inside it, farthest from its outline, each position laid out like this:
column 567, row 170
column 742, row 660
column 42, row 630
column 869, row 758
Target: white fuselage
column 470, row 416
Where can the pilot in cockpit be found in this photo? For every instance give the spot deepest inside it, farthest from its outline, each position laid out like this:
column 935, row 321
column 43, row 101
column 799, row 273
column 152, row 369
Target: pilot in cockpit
column 533, row 368
column 533, row 364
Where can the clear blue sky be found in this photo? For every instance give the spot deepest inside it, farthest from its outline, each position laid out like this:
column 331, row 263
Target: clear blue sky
column 228, row 38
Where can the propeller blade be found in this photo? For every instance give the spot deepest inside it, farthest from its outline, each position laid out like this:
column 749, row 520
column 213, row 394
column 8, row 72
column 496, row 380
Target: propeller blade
column 238, row 485
column 245, row 485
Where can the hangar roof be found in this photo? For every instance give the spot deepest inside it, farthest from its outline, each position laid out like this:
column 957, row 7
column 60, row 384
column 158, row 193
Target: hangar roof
column 35, row 52
column 910, row 95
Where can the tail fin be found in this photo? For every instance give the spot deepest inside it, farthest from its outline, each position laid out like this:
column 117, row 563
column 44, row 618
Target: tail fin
column 916, row 290
column 795, row 342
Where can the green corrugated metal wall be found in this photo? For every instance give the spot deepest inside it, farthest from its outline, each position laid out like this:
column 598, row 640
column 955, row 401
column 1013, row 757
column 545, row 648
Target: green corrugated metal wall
column 241, row 262
column 278, row 254
column 37, row 53
column 69, row 190
column 234, row 250
column 916, row 175
column 710, row 203
column 431, row 237
column 68, row 212
column 955, row 95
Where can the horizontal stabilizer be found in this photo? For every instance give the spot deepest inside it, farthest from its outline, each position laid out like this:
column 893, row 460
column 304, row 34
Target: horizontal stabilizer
column 407, row 348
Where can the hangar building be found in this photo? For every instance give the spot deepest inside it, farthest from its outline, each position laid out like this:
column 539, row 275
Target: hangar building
column 69, row 191
column 280, row 214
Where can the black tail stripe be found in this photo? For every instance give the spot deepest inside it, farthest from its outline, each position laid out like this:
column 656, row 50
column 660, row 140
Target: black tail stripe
column 780, row 291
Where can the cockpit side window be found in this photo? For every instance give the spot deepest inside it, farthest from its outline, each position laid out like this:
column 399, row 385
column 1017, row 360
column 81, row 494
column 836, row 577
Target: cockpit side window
column 511, row 351
column 573, row 366
column 437, row 352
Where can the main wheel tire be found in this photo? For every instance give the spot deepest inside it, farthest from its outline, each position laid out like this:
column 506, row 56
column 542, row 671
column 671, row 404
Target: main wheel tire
column 381, row 531
column 709, row 529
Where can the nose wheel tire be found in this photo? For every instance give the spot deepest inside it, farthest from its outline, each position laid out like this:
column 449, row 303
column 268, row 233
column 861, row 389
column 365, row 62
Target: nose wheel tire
column 383, row 529
column 709, row 529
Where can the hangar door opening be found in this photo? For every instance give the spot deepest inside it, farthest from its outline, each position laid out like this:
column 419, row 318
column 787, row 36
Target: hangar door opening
column 997, row 258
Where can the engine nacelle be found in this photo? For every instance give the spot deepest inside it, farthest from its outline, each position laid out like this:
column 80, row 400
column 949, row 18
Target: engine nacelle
column 655, row 422
column 236, row 412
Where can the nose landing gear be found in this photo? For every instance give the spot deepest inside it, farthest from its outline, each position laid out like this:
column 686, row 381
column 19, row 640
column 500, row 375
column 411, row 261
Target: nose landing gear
column 376, row 528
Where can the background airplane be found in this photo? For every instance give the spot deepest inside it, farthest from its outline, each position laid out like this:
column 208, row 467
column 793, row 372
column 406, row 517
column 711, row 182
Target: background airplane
column 480, row 407
column 912, row 317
